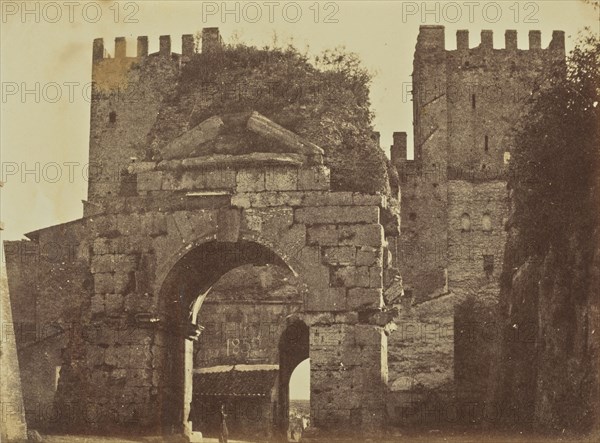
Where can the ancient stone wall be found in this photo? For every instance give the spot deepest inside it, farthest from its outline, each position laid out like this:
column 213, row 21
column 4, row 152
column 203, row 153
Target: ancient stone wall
column 188, row 224
column 51, row 282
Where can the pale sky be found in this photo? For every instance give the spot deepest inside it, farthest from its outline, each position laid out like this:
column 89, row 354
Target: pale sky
column 48, row 45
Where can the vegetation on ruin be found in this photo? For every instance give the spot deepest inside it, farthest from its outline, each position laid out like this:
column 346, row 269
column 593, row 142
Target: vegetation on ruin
column 555, row 166
column 324, row 100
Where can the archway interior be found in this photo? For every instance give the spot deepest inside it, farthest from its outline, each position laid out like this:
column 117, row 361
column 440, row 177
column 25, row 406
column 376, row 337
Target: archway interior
column 294, row 348
column 194, row 277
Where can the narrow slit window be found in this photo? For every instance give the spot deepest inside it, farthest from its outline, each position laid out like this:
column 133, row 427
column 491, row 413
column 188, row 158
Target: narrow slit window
column 486, row 222
column 486, row 143
column 488, row 264
column 473, row 103
column 465, row 222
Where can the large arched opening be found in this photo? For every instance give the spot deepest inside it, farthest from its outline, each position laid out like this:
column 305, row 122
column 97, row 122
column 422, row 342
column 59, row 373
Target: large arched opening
column 198, row 309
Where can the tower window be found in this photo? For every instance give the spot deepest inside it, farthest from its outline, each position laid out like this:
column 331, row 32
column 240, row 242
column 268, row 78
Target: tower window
column 112, row 117
column 486, row 143
column 506, row 157
column 412, row 216
column 473, row 101
column 486, row 222
column 465, row 222
column 488, row 264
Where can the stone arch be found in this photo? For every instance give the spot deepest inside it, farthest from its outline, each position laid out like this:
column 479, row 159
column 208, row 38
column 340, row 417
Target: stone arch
column 182, row 292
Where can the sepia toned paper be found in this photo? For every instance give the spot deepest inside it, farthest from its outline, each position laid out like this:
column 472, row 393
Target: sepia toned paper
column 308, row 221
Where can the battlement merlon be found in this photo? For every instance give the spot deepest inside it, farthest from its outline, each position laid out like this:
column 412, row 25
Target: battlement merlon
column 398, row 150
column 432, row 37
column 211, row 41
column 99, row 53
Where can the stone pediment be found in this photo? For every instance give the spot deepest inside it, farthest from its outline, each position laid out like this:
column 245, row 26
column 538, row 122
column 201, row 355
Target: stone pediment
column 243, row 134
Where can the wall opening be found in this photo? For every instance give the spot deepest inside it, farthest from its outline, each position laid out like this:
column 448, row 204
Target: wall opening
column 237, row 361
column 299, row 403
column 473, row 104
column 112, row 117
column 488, row 265
column 293, row 354
column 465, row 222
column 486, row 143
column 486, row 222
column 506, row 157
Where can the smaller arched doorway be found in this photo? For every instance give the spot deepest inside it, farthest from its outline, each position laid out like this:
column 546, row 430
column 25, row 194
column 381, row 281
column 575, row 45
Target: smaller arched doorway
column 299, row 401
column 293, row 350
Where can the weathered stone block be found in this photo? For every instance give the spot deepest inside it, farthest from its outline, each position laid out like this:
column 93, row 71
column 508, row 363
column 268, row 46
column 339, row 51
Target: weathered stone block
column 317, row 276
column 184, row 145
column 350, row 276
column 113, row 304
column 370, row 337
column 97, row 304
column 139, row 356
column 369, row 200
column 281, row 179
column 228, row 223
column 268, row 221
column 376, row 277
column 362, row 235
column 124, row 282
column 328, row 318
column 337, row 214
column 292, row 240
column 104, row 283
column 241, row 200
column 149, row 181
column 339, row 255
column 269, row 199
column 95, row 355
column 330, row 299
column 327, row 199
column 103, row 263
column 369, row 256
column 316, row 178
column 250, row 180
column 209, row 180
column 365, row 298
column 323, row 235
column 117, row 356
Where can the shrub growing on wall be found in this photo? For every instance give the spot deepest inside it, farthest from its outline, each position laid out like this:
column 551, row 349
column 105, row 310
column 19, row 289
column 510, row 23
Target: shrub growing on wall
column 325, row 101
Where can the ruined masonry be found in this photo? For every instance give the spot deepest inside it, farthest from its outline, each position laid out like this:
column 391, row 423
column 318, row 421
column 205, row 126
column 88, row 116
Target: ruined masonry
column 145, row 303
column 123, row 307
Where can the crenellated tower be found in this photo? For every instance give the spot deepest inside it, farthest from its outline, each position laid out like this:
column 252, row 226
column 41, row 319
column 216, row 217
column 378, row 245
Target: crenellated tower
column 466, row 104
column 126, row 98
